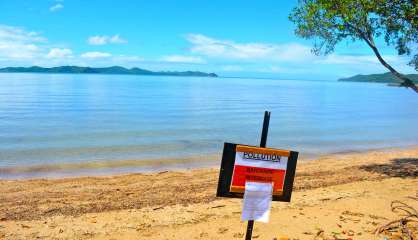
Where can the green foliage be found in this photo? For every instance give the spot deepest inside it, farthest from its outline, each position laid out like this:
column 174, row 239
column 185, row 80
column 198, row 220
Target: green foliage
column 329, row 22
column 378, row 78
column 104, row 70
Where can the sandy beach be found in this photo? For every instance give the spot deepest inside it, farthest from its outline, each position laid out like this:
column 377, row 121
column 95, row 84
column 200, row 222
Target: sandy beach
column 339, row 196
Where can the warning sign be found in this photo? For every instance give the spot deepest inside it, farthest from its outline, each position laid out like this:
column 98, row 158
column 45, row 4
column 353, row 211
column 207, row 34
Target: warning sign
column 258, row 174
column 241, row 164
column 259, row 165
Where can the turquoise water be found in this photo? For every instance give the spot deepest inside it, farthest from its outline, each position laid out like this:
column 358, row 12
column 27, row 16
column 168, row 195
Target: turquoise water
column 72, row 120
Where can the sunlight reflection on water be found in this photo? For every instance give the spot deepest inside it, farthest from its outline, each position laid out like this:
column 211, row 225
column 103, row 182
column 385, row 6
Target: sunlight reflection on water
column 59, row 119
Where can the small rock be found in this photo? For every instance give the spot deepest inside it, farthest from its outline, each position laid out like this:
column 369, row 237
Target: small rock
column 218, row 206
column 238, row 235
column 25, row 226
column 320, row 232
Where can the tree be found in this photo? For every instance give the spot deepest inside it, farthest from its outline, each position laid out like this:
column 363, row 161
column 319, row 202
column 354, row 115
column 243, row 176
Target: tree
column 329, row 22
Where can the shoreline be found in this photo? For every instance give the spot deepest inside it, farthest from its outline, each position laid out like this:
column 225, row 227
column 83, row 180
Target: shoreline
column 104, row 168
column 353, row 191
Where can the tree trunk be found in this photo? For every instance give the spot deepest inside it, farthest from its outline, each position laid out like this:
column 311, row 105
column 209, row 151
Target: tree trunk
column 406, row 82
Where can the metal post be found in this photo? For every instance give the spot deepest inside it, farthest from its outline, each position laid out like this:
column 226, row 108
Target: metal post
column 263, row 142
column 250, row 227
column 265, row 129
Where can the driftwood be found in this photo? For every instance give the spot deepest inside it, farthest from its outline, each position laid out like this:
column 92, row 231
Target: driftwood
column 408, row 215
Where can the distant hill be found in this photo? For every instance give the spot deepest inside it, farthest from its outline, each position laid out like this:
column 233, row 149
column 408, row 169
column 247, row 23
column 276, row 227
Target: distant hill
column 378, row 78
column 103, row 70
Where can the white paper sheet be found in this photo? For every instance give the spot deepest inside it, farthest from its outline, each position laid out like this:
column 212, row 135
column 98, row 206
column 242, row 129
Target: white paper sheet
column 257, row 201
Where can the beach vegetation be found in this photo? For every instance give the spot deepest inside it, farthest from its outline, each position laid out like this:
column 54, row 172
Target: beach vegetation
column 329, row 22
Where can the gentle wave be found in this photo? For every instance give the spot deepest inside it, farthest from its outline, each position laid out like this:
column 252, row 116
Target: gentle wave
column 55, row 123
column 108, row 166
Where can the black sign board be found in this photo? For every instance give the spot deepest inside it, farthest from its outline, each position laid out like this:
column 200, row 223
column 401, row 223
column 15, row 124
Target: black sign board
column 227, row 169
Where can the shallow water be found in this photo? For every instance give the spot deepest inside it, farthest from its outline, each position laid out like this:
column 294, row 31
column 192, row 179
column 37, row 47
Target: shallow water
column 50, row 122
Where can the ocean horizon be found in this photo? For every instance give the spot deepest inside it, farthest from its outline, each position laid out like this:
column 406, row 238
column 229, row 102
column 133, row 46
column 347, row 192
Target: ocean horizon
column 81, row 124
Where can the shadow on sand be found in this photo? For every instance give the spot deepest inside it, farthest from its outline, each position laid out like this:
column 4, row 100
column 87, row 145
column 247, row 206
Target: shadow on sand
column 398, row 167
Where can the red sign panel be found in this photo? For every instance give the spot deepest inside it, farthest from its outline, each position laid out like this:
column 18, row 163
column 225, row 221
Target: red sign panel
column 259, row 165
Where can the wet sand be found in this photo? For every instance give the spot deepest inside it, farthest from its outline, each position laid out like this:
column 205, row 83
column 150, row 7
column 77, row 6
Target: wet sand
column 340, row 196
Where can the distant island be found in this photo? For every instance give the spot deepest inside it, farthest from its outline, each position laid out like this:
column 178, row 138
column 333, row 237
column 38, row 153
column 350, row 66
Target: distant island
column 378, row 78
column 103, row 70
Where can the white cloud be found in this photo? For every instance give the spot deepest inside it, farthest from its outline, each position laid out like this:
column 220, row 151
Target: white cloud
column 97, row 40
column 102, row 40
column 19, row 47
column 347, row 59
column 232, row 68
column 17, row 34
column 56, row 7
column 18, row 51
column 94, row 55
column 17, row 43
column 358, row 59
column 60, row 53
column 292, row 58
column 117, row 39
column 127, row 59
column 274, row 69
column 183, row 59
column 228, row 49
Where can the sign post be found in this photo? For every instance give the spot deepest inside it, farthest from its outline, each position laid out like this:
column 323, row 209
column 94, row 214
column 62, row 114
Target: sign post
column 263, row 143
column 257, row 174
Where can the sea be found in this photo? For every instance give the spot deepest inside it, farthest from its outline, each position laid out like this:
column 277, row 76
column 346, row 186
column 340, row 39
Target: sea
column 64, row 125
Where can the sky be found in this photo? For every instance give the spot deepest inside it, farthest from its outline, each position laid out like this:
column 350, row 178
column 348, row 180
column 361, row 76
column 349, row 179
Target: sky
column 231, row 38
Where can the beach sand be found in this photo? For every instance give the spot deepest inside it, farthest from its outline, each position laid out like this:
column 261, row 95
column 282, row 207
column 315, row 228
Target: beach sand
column 339, row 196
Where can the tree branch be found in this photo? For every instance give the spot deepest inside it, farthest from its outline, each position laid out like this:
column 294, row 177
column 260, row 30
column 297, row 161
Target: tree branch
column 406, row 82
column 368, row 38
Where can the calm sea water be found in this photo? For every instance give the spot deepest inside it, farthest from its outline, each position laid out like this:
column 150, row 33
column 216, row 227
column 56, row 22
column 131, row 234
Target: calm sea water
column 52, row 125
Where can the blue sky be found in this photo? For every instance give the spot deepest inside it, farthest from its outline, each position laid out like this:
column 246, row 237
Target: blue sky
column 231, row 38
